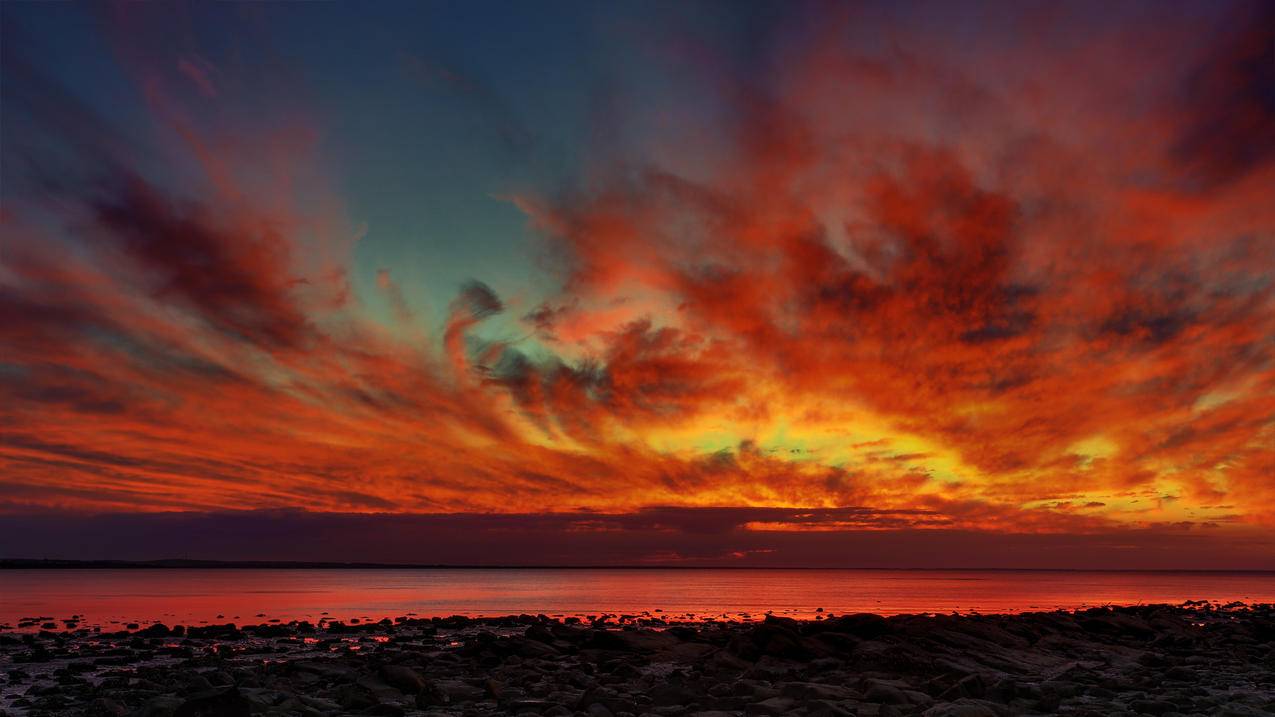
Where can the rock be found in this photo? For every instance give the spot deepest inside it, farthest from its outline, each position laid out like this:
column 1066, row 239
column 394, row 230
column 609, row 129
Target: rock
column 331, row 669
column 1152, row 707
column 668, row 695
column 817, row 691
column 881, row 693
column 319, row 703
column 969, row 686
column 772, row 706
column 106, row 707
column 224, row 702
column 779, row 639
column 532, row 648
column 380, row 691
column 961, row 708
column 352, row 697
column 1200, row 661
column 460, row 691
column 1004, row 690
column 597, row 709
column 431, row 695
column 402, row 678
column 159, row 629
column 870, row 709
column 862, row 625
column 539, row 633
column 821, row 708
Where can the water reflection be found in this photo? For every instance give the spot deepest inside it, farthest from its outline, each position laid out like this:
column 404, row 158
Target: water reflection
column 117, row 597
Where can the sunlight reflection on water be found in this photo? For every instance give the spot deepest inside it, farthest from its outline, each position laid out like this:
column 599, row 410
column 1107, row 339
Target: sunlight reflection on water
column 192, row 596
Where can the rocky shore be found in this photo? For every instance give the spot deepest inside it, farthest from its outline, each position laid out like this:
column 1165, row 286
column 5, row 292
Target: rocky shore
column 1193, row 659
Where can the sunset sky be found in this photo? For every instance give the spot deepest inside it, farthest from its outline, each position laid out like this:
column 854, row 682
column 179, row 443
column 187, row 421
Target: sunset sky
column 643, row 282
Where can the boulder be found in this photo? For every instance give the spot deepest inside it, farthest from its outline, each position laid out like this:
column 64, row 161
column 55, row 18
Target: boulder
column 222, row 702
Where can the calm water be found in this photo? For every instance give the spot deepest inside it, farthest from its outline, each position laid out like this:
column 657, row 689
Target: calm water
column 109, row 597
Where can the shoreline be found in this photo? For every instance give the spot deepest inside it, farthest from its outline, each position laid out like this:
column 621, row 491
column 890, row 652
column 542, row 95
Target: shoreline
column 1197, row 658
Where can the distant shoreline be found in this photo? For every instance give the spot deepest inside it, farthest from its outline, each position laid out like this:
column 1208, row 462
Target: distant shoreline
column 178, row 564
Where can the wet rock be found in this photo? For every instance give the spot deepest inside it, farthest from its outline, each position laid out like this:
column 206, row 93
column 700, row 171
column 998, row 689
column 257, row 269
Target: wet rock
column 772, row 706
column 159, row 629
column 161, row 706
column 668, row 695
column 223, row 702
column 817, row 691
column 431, row 695
column 1152, row 707
column 962, row 708
column 403, row 678
column 1201, row 661
column 871, row 709
column 598, row 709
column 969, row 686
column 882, row 693
column 106, row 707
column 865, row 626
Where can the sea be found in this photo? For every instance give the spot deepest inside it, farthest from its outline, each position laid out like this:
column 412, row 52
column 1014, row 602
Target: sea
column 112, row 598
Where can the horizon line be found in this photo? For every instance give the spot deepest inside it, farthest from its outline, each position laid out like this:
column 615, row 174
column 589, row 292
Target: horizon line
column 184, row 563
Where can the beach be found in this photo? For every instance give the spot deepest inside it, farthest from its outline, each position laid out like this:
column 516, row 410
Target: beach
column 1197, row 658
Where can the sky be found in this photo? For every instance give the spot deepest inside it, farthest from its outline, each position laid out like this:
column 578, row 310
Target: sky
column 739, row 283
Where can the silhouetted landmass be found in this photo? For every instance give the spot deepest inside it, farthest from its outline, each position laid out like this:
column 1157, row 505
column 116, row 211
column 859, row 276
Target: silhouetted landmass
column 176, row 563
column 1196, row 659
column 54, row 564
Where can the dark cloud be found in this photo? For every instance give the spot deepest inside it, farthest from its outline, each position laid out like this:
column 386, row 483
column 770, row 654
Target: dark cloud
column 1230, row 101
column 237, row 278
column 647, row 374
column 544, row 318
column 479, row 300
column 658, row 536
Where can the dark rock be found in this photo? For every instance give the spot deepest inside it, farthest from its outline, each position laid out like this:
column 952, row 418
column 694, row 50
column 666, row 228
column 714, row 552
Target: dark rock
column 598, row 709
column 106, row 707
column 403, row 678
column 1199, row 661
column 863, row 625
column 1152, row 707
column 962, row 708
column 668, row 695
column 968, row 686
column 777, row 639
column 224, row 702
column 772, row 706
column 882, row 693
column 431, row 695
